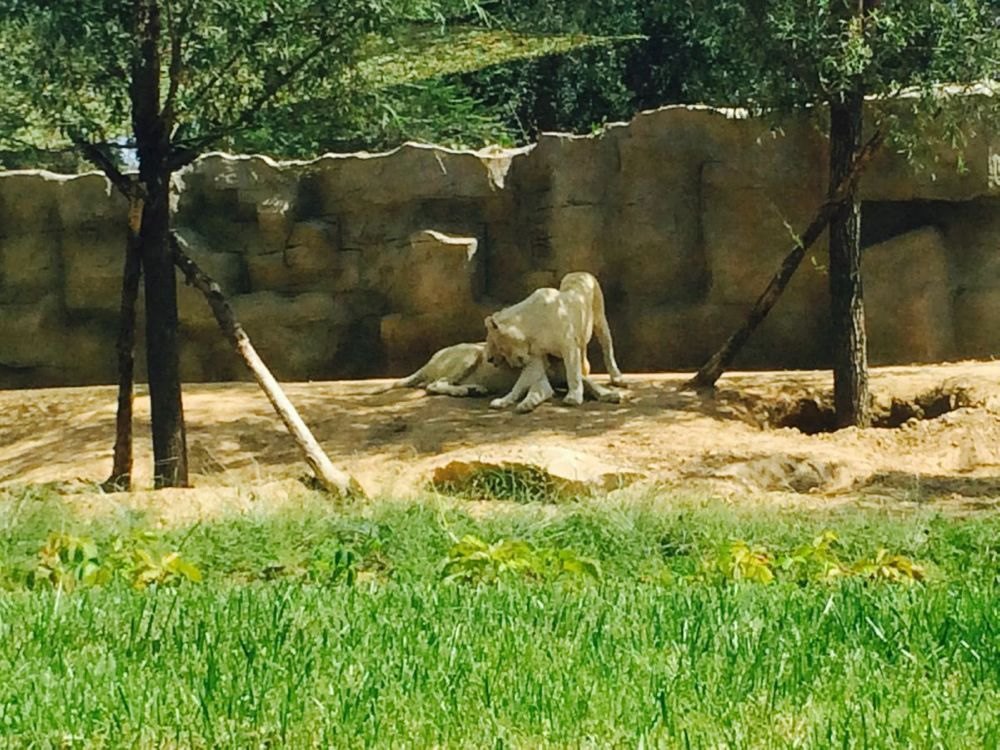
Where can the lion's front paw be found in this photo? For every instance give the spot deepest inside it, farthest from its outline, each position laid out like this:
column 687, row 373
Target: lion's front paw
column 619, row 381
column 573, row 399
column 498, row 403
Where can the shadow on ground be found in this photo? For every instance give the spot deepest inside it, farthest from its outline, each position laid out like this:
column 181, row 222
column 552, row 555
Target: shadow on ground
column 667, row 434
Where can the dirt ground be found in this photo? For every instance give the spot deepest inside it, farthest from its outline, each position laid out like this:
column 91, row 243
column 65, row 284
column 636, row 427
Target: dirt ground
column 728, row 443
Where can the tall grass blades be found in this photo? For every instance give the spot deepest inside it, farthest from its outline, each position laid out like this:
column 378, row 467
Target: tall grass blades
column 356, row 639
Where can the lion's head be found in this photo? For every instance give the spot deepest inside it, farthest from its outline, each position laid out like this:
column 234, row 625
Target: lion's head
column 506, row 344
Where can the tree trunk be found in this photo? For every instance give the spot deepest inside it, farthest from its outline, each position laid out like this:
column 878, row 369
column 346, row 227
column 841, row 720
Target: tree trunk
column 152, row 140
column 847, row 312
column 162, row 349
column 121, row 470
column 333, row 480
column 717, row 364
column 546, row 114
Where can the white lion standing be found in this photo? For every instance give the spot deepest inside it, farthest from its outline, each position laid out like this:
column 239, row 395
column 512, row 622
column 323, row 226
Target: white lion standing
column 556, row 323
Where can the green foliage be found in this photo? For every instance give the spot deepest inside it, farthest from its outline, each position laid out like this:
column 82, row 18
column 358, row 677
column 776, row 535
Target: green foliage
column 519, row 483
column 888, row 567
column 738, row 561
column 815, row 561
column 530, row 662
column 784, row 53
column 423, row 54
column 471, row 560
column 429, row 111
column 66, row 562
column 766, row 55
column 290, row 78
column 467, row 74
column 342, row 566
column 75, row 60
column 164, row 570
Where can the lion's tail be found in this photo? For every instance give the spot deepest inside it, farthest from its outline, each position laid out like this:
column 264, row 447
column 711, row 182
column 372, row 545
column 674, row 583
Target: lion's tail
column 410, row 381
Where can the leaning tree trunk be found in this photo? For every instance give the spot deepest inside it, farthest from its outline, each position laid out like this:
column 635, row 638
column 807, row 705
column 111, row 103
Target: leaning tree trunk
column 121, row 471
column 333, row 479
column 717, row 364
column 847, row 311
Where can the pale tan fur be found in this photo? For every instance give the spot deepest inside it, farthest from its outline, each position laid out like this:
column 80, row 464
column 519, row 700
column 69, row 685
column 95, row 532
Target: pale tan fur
column 463, row 370
column 554, row 323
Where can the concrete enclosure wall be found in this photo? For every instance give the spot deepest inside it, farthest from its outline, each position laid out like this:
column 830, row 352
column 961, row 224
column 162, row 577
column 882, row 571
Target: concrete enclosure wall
column 362, row 265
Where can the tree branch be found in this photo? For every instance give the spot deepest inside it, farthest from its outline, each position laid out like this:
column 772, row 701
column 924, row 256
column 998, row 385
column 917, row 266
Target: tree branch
column 185, row 152
column 93, row 153
column 266, row 25
column 175, row 69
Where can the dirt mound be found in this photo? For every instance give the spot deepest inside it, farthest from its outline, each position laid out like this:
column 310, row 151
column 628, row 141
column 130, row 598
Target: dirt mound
column 748, row 438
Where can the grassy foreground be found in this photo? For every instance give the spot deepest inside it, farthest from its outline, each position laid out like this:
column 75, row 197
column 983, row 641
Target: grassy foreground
column 598, row 626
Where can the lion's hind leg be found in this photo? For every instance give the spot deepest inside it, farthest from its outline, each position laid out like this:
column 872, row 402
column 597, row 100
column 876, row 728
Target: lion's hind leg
column 444, row 388
column 603, row 333
column 573, row 360
column 598, row 392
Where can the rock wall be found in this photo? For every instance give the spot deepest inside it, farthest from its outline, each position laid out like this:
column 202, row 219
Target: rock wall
column 362, row 265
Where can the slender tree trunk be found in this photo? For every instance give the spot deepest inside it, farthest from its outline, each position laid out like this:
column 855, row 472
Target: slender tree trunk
column 333, row 479
column 162, row 345
column 152, row 138
column 717, row 364
column 121, row 471
column 847, row 312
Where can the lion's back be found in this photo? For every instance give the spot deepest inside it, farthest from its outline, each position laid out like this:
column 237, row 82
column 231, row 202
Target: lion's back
column 550, row 318
column 466, row 364
column 452, row 362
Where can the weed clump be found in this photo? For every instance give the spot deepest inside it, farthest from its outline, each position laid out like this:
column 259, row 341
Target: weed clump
column 471, row 560
column 66, row 562
column 518, row 483
column 814, row 561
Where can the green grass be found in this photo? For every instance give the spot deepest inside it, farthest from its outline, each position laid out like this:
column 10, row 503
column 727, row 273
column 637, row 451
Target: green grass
column 278, row 647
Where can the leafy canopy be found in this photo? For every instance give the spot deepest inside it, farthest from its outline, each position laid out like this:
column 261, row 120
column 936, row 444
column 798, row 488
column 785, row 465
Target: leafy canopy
column 465, row 72
column 223, row 63
column 764, row 55
column 789, row 53
column 242, row 72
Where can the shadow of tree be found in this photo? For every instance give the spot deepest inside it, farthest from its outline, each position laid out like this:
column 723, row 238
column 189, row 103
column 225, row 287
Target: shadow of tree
column 232, row 425
column 662, row 430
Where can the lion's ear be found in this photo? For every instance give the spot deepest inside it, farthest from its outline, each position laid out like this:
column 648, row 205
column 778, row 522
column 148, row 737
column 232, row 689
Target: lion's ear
column 491, row 325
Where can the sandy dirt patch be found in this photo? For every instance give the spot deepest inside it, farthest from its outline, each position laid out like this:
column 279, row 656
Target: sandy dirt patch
column 727, row 443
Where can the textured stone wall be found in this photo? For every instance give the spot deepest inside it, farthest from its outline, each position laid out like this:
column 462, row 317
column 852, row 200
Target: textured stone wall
column 362, row 265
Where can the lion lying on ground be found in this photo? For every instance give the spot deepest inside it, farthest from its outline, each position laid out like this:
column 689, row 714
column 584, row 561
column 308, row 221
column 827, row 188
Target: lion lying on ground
column 463, row 370
column 551, row 323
